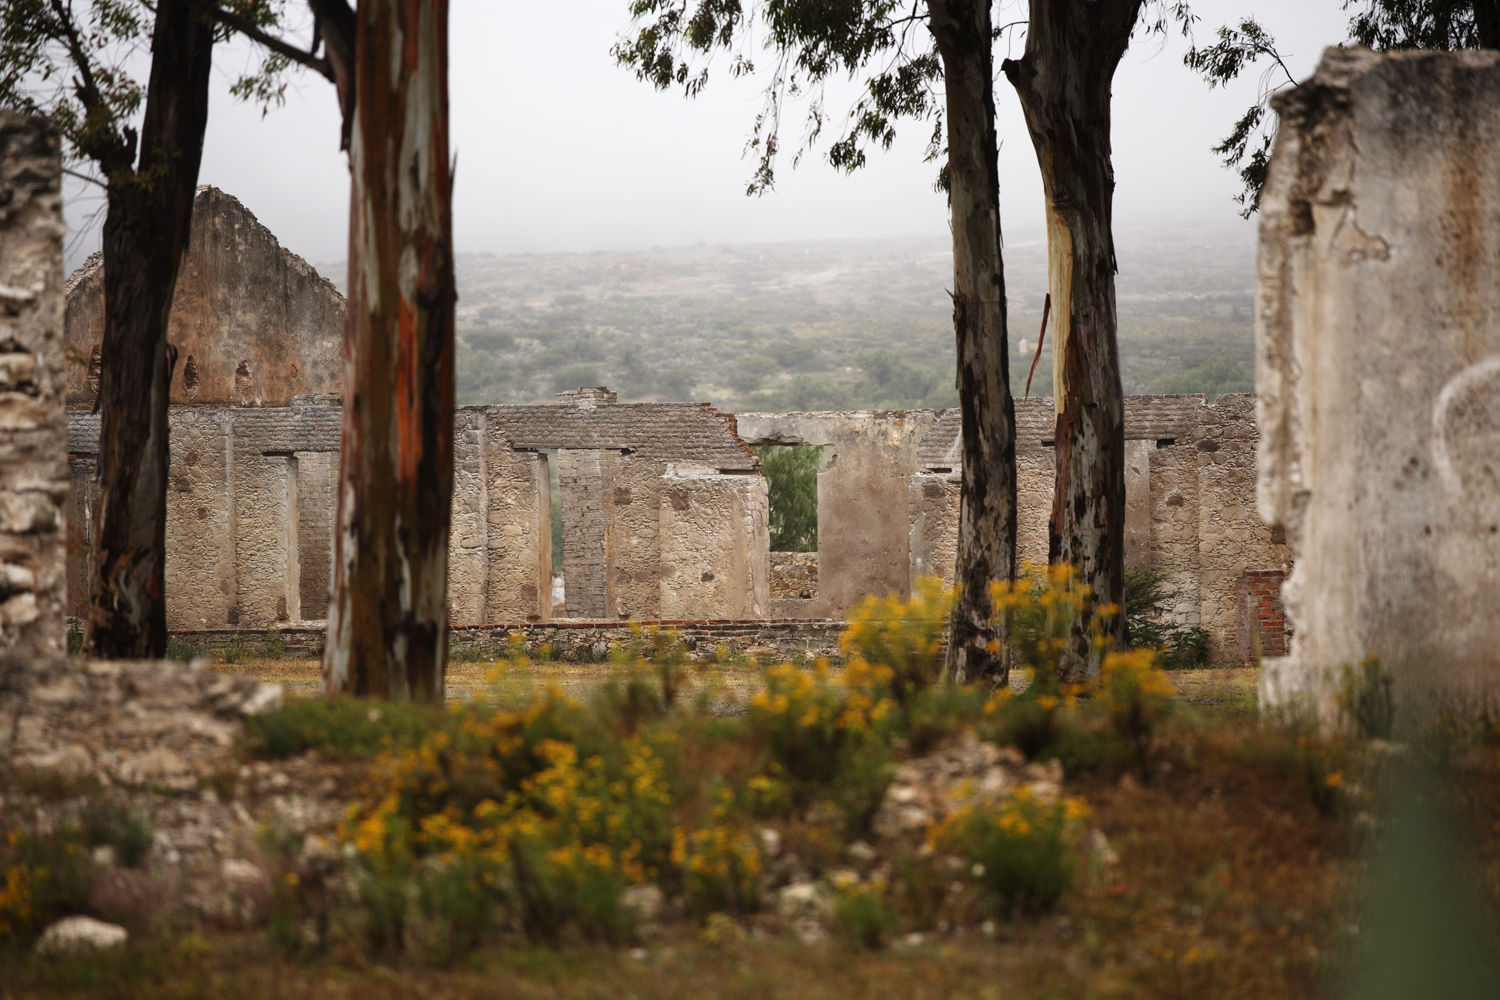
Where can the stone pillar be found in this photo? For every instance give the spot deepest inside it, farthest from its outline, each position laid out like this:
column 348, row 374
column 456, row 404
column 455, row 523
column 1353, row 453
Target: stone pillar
column 1378, row 366
column 586, row 479
column 34, row 476
column 715, row 545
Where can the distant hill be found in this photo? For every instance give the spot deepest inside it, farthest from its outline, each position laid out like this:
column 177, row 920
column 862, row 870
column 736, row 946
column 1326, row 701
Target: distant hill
column 826, row 324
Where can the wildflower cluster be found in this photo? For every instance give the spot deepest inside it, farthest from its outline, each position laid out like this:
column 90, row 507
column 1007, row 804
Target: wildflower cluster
column 1021, row 847
column 722, row 863
column 1038, row 612
column 811, row 720
column 902, row 639
column 520, row 802
column 1136, row 694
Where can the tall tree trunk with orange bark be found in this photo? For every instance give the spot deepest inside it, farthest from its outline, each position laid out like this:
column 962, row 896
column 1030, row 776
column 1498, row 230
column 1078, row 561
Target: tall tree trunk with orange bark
column 388, row 619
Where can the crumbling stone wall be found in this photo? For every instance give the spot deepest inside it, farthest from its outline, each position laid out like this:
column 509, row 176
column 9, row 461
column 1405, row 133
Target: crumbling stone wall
column 252, row 493
column 33, row 435
column 254, row 324
column 1188, row 499
column 1378, row 361
column 794, row 576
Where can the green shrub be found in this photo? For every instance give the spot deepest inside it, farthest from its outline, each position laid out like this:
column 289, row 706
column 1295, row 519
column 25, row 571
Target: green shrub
column 109, row 822
column 863, row 916
column 1367, row 698
column 182, row 650
column 1179, row 647
column 275, row 645
column 1021, row 848
column 340, row 728
column 75, row 636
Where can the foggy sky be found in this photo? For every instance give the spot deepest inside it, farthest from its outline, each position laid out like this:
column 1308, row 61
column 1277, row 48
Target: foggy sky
column 560, row 150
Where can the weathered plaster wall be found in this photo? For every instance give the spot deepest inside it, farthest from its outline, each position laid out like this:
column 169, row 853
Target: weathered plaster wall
column 863, row 526
column 1378, row 361
column 715, row 545
column 34, row 481
column 254, row 324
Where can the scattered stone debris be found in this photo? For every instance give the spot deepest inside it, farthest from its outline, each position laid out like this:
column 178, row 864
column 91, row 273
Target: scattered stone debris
column 926, row 790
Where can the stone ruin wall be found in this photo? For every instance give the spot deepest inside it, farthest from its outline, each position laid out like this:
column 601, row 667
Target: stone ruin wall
column 664, row 514
column 1189, row 498
column 251, row 501
column 1378, row 357
column 33, row 475
column 254, row 324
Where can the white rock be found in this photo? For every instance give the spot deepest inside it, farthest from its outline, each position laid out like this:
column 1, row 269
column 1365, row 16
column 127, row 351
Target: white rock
column 267, row 698
column 238, row 871
column 71, row 761
column 77, row 933
column 645, row 900
column 770, row 841
column 803, row 900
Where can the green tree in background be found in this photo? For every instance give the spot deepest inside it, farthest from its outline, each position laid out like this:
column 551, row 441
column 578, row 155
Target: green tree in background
column 792, row 479
column 1210, row 376
column 1444, row 25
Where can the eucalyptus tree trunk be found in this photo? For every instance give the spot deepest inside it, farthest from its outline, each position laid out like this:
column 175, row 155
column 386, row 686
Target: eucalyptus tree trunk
column 388, row 619
column 987, row 511
column 1064, row 78
column 150, row 212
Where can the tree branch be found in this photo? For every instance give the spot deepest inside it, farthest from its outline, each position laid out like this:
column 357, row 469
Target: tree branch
column 244, row 27
column 87, row 88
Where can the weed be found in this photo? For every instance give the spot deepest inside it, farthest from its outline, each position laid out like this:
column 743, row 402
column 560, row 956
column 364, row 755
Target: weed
column 862, row 914
column 1367, row 699
column 233, row 652
column 109, row 822
column 180, row 649
column 75, row 636
column 1021, row 848
column 903, row 640
column 275, row 645
column 339, row 728
column 1137, row 697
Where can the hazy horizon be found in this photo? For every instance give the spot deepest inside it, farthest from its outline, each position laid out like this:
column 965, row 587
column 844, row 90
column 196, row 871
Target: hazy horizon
column 559, row 150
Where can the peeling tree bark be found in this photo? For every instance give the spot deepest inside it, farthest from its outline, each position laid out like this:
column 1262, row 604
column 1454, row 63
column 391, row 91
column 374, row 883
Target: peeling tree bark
column 150, row 211
column 1064, row 78
column 987, row 511
column 388, row 619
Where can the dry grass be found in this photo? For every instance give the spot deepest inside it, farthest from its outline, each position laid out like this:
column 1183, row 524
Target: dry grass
column 725, row 684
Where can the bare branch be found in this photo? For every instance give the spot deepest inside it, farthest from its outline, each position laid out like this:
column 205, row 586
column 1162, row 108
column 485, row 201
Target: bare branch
column 244, row 27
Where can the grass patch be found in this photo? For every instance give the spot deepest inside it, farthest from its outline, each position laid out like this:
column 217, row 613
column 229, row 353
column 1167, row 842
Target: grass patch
column 341, row 728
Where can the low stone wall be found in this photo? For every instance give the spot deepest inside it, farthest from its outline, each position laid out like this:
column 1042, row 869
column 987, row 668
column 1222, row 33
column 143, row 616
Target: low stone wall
column 569, row 640
column 794, row 576
column 591, row 640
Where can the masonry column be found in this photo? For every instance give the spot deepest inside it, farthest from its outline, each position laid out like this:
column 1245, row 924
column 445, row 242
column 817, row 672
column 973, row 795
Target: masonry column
column 34, row 477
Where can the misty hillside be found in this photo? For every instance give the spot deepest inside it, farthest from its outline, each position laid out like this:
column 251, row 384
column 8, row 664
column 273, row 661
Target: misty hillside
column 826, row 324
